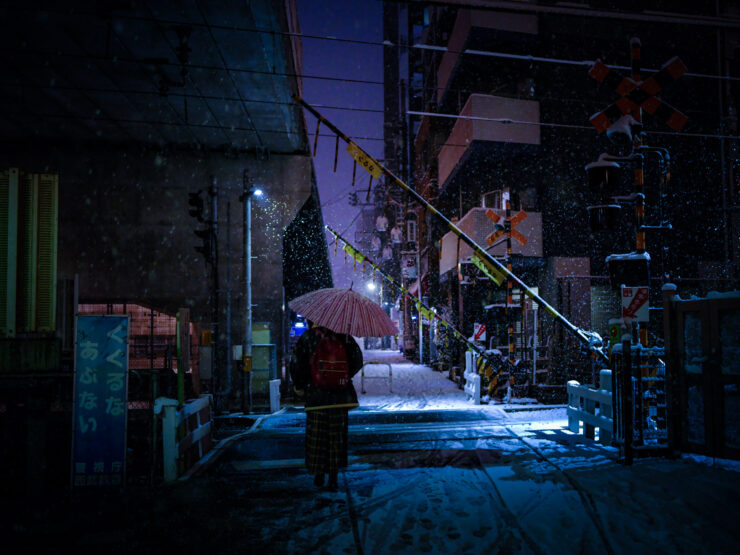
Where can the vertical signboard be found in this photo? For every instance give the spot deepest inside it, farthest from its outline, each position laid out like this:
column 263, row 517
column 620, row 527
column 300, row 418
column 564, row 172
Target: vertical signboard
column 100, row 392
column 635, row 303
column 479, row 332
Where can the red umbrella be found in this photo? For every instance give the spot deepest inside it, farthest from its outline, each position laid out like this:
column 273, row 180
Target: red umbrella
column 344, row 311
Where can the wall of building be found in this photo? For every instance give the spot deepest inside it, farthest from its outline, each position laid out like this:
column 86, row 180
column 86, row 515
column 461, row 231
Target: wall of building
column 124, row 226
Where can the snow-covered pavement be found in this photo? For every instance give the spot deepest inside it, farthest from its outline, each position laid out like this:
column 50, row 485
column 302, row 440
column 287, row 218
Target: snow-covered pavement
column 473, row 480
column 412, row 387
column 428, row 472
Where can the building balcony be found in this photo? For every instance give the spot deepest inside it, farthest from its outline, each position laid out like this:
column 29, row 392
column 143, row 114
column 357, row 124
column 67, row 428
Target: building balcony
column 477, row 140
column 479, row 30
column 478, row 226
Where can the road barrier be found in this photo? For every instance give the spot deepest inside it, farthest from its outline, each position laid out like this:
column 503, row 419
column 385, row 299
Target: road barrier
column 472, row 378
column 593, row 407
column 390, row 375
column 186, row 433
column 274, row 395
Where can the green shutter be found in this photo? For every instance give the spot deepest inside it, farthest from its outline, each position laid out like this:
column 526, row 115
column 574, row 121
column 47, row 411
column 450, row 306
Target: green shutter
column 46, row 297
column 28, row 220
column 8, row 249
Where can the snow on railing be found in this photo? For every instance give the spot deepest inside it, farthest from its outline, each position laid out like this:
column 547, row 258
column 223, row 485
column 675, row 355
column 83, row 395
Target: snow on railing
column 582, row 401
column 472, row 378
column 195, row 436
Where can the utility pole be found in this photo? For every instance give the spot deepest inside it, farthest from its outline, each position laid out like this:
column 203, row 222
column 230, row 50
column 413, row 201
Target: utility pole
column 209, row 250
column 247, row 192
column 247, row 339
column 213, row 192
column 418, row 313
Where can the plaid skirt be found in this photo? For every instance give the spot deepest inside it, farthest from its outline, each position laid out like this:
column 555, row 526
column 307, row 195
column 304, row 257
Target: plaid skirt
column 326, row 440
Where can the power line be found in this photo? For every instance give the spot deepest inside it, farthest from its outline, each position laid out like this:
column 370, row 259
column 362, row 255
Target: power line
column 566, row 125
column 175, row 124
column 363, row 138
column 179, row 95
column 657, row 17
column 529, row 58
column 49, row 53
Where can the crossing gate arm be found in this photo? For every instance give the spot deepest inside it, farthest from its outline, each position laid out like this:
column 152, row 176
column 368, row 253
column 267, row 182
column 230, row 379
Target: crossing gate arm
column 390, row 375
column 590, row 340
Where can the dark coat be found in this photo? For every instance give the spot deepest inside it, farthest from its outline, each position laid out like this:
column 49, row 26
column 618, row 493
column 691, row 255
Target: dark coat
column 300, row 372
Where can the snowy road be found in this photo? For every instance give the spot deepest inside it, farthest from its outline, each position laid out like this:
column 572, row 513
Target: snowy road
column 461, row 481
column 428, row 473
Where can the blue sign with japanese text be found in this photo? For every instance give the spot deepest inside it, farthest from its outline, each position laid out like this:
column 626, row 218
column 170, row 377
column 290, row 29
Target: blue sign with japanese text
column 100, row 391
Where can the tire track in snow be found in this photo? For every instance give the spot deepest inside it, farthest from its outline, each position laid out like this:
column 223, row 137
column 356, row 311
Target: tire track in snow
column 511, row 519
column 585, row 496
column 352, row 515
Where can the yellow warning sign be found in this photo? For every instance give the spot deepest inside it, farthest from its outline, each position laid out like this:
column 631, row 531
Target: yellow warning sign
column 364, row 160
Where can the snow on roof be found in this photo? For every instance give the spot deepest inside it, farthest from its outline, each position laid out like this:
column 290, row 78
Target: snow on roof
column 629, row 256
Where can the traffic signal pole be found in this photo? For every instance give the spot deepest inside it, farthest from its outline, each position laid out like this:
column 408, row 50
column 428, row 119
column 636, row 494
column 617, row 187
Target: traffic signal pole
column 639, row 175
column 590, row 340
column 213, row 192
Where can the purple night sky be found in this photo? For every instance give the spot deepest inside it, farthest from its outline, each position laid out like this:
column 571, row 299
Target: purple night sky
column 354, row 20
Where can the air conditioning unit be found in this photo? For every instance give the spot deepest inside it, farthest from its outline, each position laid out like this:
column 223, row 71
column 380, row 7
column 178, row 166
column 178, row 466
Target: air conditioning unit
column 493, row 199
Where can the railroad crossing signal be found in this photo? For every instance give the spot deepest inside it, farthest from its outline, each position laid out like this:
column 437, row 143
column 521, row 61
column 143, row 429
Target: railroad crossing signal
column 507, row 227
column 636, row 95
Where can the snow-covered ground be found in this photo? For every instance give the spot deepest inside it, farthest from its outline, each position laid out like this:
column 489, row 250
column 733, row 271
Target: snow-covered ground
column 417, row 387
column 428, row 472
column 467, row 481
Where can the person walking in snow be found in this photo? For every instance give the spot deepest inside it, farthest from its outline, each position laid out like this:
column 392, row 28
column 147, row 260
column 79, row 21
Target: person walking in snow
column 321, row 367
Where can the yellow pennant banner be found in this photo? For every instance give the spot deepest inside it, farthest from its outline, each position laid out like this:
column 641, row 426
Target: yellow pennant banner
column 354, row 254
column 426, row 312
column 489, row 269
column 364, row 160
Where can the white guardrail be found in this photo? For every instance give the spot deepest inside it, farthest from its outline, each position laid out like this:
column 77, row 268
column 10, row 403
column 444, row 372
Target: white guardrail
column 582, row 407
column 472, row 378
column 195, row 420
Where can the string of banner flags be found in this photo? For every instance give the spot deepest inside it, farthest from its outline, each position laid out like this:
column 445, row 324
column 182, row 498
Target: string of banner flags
column 429, row 313
column 482, row 259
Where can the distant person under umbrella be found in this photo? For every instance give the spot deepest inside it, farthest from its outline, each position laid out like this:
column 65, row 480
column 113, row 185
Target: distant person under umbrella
column 322, row 367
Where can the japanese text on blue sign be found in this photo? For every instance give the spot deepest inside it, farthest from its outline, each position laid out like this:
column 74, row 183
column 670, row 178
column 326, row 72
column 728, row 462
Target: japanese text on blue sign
column 101, row 369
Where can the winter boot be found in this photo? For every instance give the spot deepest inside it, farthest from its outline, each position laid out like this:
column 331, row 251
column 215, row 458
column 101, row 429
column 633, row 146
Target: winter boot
column 332, row 485
column 318, row 480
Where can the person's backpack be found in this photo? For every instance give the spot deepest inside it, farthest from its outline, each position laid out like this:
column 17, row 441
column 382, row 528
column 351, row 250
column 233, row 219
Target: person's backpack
column 329, row 364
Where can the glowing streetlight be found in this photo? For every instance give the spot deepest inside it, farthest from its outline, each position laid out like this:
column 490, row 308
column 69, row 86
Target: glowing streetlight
column 246, row 198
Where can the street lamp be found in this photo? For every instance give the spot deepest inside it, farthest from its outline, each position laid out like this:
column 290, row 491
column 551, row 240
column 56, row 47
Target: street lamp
column 247, row 193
